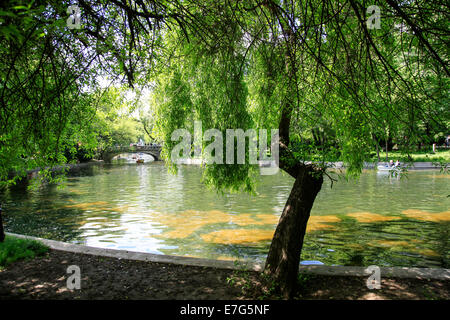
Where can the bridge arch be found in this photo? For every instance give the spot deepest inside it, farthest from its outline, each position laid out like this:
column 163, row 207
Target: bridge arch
column 152, row 150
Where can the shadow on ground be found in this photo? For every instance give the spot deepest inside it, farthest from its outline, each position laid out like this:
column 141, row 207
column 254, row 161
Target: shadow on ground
column 112, row 278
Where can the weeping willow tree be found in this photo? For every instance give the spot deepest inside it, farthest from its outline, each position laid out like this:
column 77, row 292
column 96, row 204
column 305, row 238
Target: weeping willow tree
column 289, row 65
column 278, row 64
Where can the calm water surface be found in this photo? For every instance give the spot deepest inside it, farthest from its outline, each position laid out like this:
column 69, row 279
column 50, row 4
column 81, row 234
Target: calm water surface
column 374, row 220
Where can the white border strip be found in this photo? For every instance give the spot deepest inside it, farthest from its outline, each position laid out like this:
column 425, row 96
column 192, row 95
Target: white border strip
column 142, row 256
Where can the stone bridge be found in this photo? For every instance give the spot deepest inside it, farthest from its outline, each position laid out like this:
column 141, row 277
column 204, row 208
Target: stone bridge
column 153, row 150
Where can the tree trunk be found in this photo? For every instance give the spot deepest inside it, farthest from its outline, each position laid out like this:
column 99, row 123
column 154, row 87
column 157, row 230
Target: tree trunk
column 378, row 151
column 284, row 254
column 387, row 147
column 377, row 146
column 2, row 232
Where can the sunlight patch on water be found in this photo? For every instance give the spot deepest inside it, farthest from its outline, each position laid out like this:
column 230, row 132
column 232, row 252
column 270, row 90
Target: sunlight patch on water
column 187, row 222
column 429, row 252
column 440, row 176
column 86, row 205
column 391, row 243
column 367, row 217
column 405, row 245
column 184, row 224
column 238, row 236
column 427, row 216
column 317, row 223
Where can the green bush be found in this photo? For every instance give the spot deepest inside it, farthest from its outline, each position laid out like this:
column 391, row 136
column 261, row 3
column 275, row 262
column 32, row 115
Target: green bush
column 13, row 249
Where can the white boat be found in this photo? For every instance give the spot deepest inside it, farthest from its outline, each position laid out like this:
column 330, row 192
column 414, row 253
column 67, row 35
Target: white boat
column 388, row 168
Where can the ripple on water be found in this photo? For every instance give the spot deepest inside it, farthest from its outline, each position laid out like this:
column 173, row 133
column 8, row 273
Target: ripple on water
column 376, row 220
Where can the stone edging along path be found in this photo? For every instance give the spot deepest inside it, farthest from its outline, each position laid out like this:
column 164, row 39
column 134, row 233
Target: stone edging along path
column 393, row 272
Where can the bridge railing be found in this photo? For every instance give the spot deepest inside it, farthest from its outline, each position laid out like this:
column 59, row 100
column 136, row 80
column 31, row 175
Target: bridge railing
column 136, row 148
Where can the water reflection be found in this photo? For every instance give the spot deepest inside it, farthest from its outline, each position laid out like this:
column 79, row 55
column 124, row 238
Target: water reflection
column 374, row 220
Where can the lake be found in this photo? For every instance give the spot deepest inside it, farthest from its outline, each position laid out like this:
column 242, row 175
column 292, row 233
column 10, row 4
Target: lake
column 377, row 219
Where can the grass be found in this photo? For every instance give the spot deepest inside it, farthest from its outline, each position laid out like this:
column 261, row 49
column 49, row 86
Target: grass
column 441, row 155
column 13, row 249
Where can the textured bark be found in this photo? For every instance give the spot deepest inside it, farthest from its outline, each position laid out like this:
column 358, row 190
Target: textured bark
column 283, row 260
column 284, row 254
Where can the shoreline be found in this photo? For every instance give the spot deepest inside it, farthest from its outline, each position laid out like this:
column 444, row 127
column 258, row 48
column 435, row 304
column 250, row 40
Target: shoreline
column 58, row 168
column 410, row 166
column 111, row 278
column 396, row 272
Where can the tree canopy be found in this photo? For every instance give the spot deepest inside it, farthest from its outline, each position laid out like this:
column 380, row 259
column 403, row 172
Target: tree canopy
column 320, row 62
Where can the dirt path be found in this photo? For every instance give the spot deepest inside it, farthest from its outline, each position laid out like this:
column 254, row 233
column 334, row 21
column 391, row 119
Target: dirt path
column 111, row 278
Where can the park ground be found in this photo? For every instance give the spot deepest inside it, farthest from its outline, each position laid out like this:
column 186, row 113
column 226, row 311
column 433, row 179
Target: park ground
column 45, row 277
